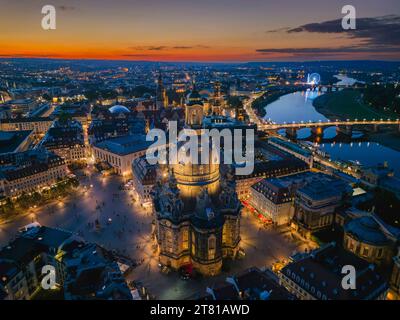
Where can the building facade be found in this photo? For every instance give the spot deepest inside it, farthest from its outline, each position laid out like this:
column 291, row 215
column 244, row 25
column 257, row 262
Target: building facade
column 144, row 177
column 316, row 204
column 365, row 238
column 273, row 200
column 31, row 171
column 66, row 139
column 37, row 124
column 120, row 152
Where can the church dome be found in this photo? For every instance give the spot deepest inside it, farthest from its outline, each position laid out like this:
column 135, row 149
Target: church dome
column 194, row 97
column 192, row 174
column 366, row 230
column 118, row 109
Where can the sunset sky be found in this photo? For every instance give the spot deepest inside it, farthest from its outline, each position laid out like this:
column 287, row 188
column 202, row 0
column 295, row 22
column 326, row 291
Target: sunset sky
column 206, row 30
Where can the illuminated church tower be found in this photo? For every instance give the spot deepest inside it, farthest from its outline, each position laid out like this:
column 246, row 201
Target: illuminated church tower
column 197, row 210
column 217, row 100
column 161, row 94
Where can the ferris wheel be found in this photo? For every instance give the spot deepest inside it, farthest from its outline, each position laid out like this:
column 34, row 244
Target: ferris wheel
column 313, row 79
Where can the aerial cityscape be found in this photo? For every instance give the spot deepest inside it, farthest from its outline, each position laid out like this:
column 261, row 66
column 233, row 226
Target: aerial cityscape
column 181, row 155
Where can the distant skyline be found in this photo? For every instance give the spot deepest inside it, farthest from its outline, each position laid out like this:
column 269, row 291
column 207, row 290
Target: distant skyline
column 203, row 31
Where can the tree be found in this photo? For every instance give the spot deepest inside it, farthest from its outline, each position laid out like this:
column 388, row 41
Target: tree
column 46, row 97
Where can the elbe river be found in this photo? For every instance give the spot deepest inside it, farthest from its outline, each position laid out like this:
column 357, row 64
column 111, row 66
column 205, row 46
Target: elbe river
column 298, row 107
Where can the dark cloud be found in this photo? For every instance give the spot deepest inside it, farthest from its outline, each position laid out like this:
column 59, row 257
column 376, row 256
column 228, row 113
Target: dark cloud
column 160, row 48
column 182, row 47
column 377, row 35
column 149, row 48
column 382, row 31
column 348, row 49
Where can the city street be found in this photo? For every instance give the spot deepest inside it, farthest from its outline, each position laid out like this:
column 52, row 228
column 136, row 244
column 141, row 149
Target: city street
column 126, row 228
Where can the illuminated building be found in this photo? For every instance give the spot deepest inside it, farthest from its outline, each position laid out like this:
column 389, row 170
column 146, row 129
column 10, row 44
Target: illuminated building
column 317, row 276
column 66, row 139
column 161, row 94
column 316, row 204
column 120, row 152
column 179, row 86
column 198, row 212
column 268, row 169
column 21, row 106
column 30, row 171
column 78, row 111
column 272, row 199
column 144, row 177
column 217, row 103
column 367, row 239
column 114, row 122
column 36, row 124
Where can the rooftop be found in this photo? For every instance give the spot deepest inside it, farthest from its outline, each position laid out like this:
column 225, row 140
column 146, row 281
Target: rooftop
column 319, row 273
column 317, row 189
column 29, row 119
column 125, row 145
column 11, row 140
column 276, row 168
column 251, row 284
column 367, row 230
column 119, row 109
column 291, row 146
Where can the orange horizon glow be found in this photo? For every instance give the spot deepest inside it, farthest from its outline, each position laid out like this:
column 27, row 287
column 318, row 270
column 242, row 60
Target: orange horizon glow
column 177, row 30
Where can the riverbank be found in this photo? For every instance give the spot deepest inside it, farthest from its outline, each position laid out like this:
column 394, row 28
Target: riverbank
column 348, row 104
column 259, row 105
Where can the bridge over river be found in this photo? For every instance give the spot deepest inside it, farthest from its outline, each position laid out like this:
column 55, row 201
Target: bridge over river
column 318, row 127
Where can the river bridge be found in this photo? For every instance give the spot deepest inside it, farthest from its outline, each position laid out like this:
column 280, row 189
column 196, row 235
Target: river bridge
column 317, row 127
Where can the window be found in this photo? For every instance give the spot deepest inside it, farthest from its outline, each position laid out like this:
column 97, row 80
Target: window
column 211, row 247
column 193, row 243
column 185, row 239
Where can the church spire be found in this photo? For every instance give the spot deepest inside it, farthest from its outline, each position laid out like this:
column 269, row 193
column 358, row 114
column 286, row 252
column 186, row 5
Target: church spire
column 161, row 94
